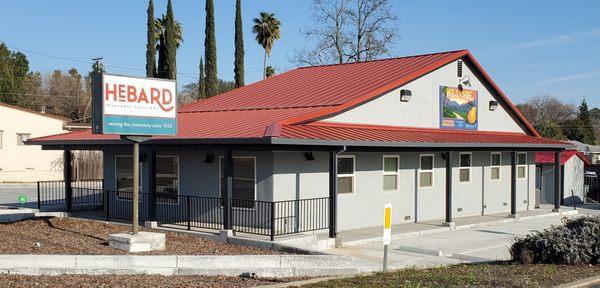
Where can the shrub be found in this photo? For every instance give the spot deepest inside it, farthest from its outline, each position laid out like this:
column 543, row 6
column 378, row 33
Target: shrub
column 577, row 241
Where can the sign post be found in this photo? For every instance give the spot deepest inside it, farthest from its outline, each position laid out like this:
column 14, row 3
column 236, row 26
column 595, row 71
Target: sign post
column 22, row 199
column 135, row 108
column 387, row 232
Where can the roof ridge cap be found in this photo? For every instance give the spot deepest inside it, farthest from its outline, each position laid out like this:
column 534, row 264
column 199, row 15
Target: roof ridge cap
column 386, row 59
column 259, row 108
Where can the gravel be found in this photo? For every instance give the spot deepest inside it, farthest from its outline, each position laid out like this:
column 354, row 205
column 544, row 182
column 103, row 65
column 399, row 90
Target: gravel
column 135, row 281
column 89, row 237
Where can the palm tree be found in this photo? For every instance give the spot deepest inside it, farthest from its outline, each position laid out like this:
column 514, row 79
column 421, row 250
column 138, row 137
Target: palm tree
column 160, row 25
column 266, row 29
column 270, row 71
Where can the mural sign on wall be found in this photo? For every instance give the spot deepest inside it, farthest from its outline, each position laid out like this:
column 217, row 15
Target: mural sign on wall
column 458, row 108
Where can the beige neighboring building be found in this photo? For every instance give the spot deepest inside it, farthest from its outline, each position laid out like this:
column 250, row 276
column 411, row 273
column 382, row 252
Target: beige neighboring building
column 27, row 163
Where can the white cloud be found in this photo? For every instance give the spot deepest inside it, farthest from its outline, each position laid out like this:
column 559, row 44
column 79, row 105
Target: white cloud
column 567, row 78
column 556, row 40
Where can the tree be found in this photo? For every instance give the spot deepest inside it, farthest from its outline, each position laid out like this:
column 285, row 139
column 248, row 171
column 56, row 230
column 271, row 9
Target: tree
column 266, row 29
column 160, row 25
column 349, row 31
column 151, row 42
column 585, row 118
column 210, row 51
column 14, row 67
column 202, row 82
column 550, row 129
column 170, row 44
column 239, row 46
column 270, row 71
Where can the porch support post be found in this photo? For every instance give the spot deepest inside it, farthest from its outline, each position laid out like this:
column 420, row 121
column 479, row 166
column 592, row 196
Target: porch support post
column 151, row 185
column 333, row 194
column 449, row 221
column 67, row 174
column 557, row 182
column 513, row 184
column 226, row 195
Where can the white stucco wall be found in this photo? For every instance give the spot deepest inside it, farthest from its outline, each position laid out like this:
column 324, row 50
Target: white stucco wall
column 423, row 109
column 28, row 163
column 574, row 170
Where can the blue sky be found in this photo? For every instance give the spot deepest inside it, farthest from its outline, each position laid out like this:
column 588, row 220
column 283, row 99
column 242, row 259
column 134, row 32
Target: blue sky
column 529, row 47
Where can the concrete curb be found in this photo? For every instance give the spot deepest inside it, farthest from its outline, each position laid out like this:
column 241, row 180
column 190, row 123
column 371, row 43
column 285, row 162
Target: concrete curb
column 226, row 265
column 581, row 283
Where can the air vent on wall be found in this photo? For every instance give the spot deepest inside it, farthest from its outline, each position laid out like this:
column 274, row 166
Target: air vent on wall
column 459, row 71
column 407, row 217
column 459, row 210
column 524, row 201
column 504, row 204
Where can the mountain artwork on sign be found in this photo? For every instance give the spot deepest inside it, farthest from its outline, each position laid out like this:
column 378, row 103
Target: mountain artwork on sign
column 458, row 108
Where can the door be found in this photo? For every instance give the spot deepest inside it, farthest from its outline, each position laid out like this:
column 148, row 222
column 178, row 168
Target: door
column 538, row 185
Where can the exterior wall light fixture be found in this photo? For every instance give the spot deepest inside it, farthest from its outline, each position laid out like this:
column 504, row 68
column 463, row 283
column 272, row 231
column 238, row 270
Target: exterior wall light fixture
column 405, row 95
column 309, row 156
column 209, row 158
column 493, row 105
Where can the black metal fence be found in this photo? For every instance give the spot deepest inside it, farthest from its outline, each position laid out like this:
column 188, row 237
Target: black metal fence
column 268, row 218
column 592, row 180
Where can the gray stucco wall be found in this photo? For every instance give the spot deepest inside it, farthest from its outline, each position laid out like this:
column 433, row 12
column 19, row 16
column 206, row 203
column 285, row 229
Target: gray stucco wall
column 295, row 177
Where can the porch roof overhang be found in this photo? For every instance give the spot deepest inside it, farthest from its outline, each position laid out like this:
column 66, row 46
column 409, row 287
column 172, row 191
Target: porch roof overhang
column 327, row 136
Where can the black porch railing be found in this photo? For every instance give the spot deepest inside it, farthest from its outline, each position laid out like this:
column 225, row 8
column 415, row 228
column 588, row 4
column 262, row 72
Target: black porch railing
column 268, row 218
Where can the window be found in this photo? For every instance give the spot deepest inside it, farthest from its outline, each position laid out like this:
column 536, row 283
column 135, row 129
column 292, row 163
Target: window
column 495, row 164
column 167, row 177
column 390, row 173
column 426, row 171
column 345, row 179
column 244, row 181
column 1, row 138
column 124, row 176
column 21, row 138
column 464, row 170
column 521, row 165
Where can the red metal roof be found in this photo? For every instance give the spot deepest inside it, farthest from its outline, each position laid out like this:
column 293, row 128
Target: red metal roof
column 548, row 157
column 282, row 106
column 409, row 135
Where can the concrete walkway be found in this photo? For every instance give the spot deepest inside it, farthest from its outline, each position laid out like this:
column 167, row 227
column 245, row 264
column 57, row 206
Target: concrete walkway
column 477, row 241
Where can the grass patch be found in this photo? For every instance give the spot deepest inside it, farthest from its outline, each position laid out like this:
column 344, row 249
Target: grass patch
column 499, row 274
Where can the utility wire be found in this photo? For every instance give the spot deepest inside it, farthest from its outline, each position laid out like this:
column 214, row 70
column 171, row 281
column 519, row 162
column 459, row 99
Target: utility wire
column 190, row 75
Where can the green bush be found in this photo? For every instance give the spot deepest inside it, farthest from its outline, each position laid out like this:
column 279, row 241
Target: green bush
column 577, row 241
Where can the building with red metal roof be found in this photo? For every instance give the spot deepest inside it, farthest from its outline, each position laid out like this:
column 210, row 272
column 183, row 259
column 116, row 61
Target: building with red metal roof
column 433, row 134
column 572, row 175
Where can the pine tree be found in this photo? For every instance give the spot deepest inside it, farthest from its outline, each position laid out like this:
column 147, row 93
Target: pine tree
column 170, row 44
column 585, row 118
column 210, row 51
column 151, row 44
column 239, row 46
column 202, row 82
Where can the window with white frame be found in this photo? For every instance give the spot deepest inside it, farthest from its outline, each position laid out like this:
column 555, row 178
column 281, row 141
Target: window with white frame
column 345, row 178
column 426, row 171
column 464, row 170
column 167, row 177
column 22, row 138
column 521, row 165
column 390, row 173
column 1, row 132
column 495, row 165
column 244, row 181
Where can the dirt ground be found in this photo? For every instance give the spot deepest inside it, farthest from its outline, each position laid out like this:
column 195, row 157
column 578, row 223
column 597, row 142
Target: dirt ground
column 499, row 274
column 134, row 281
column 87, row 237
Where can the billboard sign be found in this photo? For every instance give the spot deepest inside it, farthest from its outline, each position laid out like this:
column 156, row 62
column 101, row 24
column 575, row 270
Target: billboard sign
column 458, row 108
column 134, row 106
